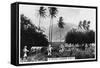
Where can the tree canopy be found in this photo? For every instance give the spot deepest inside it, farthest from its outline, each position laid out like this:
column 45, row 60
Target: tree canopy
column 74, row 37
column 53, row 11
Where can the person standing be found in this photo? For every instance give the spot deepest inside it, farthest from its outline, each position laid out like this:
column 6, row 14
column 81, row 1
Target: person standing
column 49, row 50
column 25, row 50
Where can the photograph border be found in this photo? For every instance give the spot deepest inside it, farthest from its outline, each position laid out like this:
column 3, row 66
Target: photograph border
column 46, row 4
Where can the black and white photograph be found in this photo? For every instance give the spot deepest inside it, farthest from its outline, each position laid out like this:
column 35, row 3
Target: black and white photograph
column 56, row 33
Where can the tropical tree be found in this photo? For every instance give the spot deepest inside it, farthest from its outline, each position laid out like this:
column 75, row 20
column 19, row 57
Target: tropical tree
column 42, row 14
column 80, row 26
column 60, row 25
column 30, row 35
column 88, row 25
column 80, row 38
column 52, row 12
column 84, row 25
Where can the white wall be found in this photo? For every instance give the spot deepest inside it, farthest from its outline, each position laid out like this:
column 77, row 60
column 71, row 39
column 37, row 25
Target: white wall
column 5, row 33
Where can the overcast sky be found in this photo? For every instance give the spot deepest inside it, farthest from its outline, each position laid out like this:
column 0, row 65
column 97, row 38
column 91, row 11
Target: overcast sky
column 70, row 14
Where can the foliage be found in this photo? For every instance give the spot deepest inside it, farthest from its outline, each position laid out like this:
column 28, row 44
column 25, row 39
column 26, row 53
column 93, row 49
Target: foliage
column 53, row 11
column 42, row 11
column 74, row 52
column 42, row 14
column 61, row 23
column 84, row 25
column 74, row 37
column 30, row 35
column 87, row 53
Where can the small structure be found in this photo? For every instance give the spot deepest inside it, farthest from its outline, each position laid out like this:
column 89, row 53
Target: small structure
column 35, row 48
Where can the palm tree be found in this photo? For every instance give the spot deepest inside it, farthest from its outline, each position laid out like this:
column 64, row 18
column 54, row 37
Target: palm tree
column 84, row 24
column 60, row 25
column 52, row 11
column 88, row 25
column 80, row 25
column 42, row 14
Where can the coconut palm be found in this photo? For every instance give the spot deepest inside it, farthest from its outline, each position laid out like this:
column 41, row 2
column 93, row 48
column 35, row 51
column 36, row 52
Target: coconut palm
column 80, row 26
column 42, row 14
column 88, row 25
column 52, row 12
column 84, row 24
column 60, row 25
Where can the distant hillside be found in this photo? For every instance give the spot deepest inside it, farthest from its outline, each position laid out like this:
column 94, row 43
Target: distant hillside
column 56, row 32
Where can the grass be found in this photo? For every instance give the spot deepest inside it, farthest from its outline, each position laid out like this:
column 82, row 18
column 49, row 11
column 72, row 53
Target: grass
column 68, row 52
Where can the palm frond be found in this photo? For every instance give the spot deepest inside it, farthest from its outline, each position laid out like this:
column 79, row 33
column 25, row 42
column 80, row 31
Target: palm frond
column 42, row 11
column 61, row 23
column 53, row 11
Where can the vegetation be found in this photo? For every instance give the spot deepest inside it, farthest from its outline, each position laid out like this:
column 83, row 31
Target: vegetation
column 84, row 25
column 82, row 38
column 42, row 14
column 73, row 52
column 60, row 25
column 30, row 35
column 52, row 12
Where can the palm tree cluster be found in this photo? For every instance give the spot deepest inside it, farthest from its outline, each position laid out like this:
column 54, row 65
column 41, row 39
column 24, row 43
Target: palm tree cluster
column 53, row 11
column 84, row 25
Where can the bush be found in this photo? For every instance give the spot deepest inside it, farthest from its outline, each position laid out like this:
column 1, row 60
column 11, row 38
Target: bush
column 84, row 54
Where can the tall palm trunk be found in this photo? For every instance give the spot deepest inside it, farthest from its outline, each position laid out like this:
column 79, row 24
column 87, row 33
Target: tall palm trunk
column 50, row 30
column 39, row 23
column 53, row 11
column 42, row 14
column 60, row 25
column 60, row 35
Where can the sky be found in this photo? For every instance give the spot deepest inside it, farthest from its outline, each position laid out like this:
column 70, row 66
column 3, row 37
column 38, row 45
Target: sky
column 71, row 15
